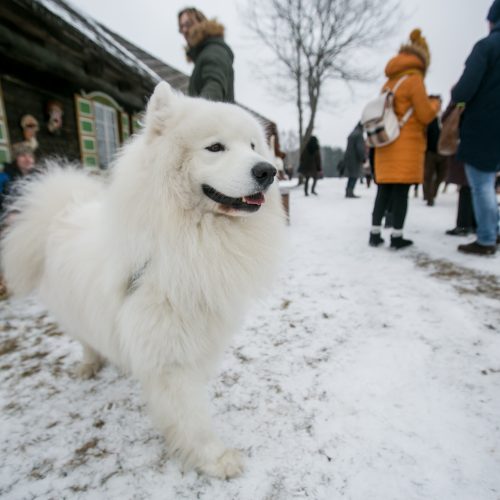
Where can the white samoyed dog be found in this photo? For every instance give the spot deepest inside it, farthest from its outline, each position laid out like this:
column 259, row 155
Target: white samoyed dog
column 153, row 268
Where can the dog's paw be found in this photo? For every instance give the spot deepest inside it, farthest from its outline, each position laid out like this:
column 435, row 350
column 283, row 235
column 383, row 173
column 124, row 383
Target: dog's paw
column 227, row 466
column 88, row 370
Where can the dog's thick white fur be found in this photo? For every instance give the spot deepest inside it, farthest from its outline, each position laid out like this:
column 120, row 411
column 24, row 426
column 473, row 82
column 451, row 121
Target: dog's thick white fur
column 148, row 271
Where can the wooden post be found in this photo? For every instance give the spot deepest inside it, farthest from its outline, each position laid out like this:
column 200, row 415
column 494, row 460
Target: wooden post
column 285, row 200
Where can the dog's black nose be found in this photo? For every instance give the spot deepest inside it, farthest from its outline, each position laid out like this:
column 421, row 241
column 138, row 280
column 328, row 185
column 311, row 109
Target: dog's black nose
column 264, row 173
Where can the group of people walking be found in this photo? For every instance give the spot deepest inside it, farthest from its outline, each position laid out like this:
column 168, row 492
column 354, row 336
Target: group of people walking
column 414, row 157
column 400, row 164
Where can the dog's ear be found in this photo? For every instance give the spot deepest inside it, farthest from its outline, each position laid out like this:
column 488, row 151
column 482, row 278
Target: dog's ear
column 159, row 108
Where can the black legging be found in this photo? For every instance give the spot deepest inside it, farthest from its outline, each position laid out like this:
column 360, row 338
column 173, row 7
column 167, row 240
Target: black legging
column 465, row 214
column 394, row 196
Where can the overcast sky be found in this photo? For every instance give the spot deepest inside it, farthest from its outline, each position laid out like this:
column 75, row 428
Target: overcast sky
column 450, row 26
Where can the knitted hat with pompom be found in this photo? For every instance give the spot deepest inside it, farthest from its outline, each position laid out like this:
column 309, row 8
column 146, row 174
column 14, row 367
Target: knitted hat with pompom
column 417, row 46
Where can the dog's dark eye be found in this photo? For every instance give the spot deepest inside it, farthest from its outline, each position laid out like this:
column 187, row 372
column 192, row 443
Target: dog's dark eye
column 216, row 148
column 252, row 145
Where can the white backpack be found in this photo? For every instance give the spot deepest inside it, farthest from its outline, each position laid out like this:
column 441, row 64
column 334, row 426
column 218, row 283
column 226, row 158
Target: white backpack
column 379, row 120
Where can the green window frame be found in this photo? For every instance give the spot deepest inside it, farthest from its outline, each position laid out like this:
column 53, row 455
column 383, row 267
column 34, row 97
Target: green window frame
column 5, row 155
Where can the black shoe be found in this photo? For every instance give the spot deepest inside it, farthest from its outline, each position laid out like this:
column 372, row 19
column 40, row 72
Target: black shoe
column 399, row 242
column 351, row 195
column 375, row 240
column 459, row 231
column 315, row 193
column 477, row 249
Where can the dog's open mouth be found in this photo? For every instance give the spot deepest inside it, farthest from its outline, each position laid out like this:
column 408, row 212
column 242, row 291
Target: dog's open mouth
column 250, row 203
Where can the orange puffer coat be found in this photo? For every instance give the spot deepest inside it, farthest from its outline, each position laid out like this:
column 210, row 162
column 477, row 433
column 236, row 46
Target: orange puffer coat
column 402, row 162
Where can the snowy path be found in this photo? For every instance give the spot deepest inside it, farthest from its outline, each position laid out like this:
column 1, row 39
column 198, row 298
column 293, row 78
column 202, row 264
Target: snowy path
column 366, row 374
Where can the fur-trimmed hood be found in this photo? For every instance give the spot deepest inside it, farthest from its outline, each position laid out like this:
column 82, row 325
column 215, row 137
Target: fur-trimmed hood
column 405, row 62
column 200, row 32
column 416, row 51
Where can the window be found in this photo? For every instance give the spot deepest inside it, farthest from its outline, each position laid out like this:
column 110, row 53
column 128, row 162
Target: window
column 102, row 127
column 106, row 126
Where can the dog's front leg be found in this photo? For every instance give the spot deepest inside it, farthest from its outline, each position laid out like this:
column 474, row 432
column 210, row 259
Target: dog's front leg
column 179, row 407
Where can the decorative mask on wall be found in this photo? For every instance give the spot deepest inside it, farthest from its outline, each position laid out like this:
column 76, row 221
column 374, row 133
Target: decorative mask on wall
column 55, row 112
column 30, row 127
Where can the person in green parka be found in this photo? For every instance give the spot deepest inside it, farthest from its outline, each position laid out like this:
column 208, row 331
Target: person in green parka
column 213, row 76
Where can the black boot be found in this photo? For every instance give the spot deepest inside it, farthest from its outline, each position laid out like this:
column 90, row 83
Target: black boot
column 399, row 242
column 350, row 194
column 375, row 240
column 459, row 231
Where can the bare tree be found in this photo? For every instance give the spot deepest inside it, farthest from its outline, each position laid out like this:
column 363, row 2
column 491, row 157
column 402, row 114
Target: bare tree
column 316, row 41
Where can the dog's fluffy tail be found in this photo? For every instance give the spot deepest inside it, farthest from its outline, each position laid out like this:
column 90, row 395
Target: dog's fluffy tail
column 40, row 200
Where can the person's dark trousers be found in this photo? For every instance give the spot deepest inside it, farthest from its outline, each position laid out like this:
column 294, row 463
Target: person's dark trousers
column 351, row 183
column 313, row 187
column 465, row 214
column 435, row 170
column 395, row 195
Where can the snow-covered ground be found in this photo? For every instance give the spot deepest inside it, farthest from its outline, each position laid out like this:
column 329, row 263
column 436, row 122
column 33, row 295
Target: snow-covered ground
column 365, row 374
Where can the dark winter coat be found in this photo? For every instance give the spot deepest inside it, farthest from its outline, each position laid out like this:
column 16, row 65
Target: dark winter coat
column 310, row 163
column 479, row 88
column 213, row 75
column 354, row 156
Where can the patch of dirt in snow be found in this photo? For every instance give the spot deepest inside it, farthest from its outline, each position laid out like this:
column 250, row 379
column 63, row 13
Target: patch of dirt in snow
column 465, row 280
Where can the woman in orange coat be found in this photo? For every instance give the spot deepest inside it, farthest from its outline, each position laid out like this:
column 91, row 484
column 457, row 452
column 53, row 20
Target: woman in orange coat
column 401, row 163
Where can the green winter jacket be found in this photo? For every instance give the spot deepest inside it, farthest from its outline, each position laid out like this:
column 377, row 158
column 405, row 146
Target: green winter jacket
column 213, row 76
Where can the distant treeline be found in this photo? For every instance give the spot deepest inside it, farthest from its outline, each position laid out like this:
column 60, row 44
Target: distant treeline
column 330, row 158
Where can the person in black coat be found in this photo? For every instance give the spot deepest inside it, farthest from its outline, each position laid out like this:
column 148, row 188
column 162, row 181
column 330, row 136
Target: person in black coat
column 479, row 89
column 310, row 164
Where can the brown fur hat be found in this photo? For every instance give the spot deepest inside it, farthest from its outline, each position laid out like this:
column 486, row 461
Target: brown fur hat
column 417, row 46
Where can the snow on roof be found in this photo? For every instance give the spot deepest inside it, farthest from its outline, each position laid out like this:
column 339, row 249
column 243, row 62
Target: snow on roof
column 83, row 23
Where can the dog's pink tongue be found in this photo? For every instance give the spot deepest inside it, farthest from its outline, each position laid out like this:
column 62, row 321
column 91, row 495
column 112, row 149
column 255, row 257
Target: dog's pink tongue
column 255, row 199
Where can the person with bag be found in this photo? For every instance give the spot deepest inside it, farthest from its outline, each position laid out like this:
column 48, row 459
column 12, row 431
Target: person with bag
column 479, row 148
column 400, row 163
